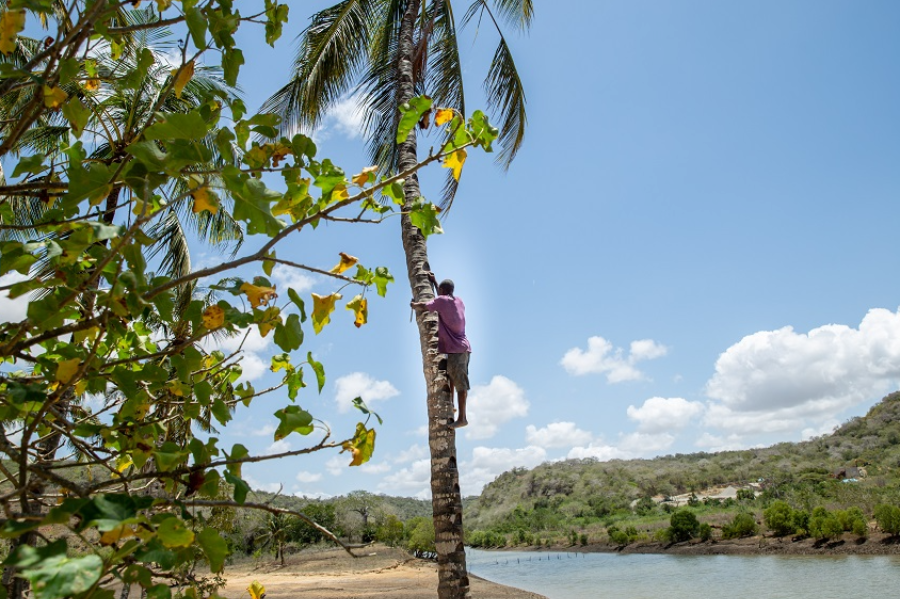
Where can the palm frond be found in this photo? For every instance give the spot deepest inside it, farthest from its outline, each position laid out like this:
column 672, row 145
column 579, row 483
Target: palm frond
column 170, row 239
column 504, row 90
column 331, row 52
column 518, row 13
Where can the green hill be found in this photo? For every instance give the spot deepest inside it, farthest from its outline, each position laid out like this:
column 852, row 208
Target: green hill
column 856, row 466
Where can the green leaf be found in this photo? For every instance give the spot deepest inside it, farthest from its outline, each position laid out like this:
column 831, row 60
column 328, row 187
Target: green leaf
column 241, row 489
column 411, row 112
column 177, row 126
column 382, row 278
column 238, row 452
column 296, row 299
column 361, row 406
column 395, row 192
column 53, row 574
column 294, row 381
column 221, row 411
column 293, row 419
column 483, row 132
column 174, row 534
column 30, row 164
column 232, row 59
column 319, row 370
column 276, row 17
column 215, row 548
column 93, row 183
column 77, row 114
column 289, row 336
column 424, row 216
column 196, row 25
column 169, row 456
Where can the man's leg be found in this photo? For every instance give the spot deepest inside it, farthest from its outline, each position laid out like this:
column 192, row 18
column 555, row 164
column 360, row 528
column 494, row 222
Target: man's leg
column 461, row 397
column 458, row 372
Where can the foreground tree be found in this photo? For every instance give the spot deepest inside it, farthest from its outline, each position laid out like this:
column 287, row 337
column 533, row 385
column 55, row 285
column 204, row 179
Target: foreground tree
column 134, row 501
column 396, row 50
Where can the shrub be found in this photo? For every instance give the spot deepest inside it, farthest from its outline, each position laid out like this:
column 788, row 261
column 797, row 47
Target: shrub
column 745, row 495
column 705, row 532
column 742, row 525
column 683, row 525
column 800, row 521
column 824, row 525
column 888, row 518
column 779, row 518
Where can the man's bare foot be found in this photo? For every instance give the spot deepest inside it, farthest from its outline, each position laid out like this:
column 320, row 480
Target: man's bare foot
column 458, row 424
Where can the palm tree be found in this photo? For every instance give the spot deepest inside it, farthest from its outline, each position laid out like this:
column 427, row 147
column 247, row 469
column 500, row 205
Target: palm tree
column 390, row 51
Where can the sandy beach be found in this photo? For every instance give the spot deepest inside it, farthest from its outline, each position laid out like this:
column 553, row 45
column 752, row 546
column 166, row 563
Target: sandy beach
column 381, row 572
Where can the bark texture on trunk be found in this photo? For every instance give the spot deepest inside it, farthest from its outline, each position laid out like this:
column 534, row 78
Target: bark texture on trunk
column 446, row 501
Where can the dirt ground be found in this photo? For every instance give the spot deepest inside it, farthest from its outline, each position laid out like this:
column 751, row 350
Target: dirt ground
column 381, row 572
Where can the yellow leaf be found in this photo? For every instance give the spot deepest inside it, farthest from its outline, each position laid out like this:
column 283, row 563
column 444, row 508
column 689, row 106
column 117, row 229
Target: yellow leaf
column 366, row 176
column 118, row 533
column 360, row 306
column 123, row 463
column 279, row 152
column 455, row 161
column 66, row 369
column 176, row 388
column 347, row 261
column 258, row 294
column 54, row 97
column 92, row 84
column 323, row 306
column 361, row 446
column 256, row 590
column 81, row 387
column 162, row 5
column 270, row 319
column 11, row 23
column 204, row 200
column 184, row 75
column 339, row 193
column 443, row 115
column 213, row 317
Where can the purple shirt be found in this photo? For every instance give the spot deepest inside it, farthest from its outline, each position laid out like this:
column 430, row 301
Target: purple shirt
column 451, row 324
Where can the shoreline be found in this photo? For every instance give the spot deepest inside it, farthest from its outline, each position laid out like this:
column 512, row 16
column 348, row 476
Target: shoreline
column 874, row 545
column 330, row 573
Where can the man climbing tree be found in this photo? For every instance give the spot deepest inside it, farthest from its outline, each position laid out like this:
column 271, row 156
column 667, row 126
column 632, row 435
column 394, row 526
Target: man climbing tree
column 452, row 341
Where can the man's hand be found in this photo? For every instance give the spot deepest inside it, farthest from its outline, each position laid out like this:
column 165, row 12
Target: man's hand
column 431, row 277
column 417, row 305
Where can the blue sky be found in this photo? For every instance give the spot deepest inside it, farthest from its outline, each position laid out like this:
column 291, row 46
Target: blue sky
column 694, row 251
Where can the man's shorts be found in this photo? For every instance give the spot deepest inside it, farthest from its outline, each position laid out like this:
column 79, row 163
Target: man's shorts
column 458, row 370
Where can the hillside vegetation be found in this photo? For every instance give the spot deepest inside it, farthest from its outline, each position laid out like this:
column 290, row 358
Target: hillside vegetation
column 588, row 501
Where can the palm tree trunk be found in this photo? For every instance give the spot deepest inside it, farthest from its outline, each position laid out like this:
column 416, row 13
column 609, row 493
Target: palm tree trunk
column 453, row 578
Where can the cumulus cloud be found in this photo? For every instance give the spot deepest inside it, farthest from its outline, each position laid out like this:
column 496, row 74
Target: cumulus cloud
column 13, row 310
column 657, row 414
column 251, row 345
column 645, row 445
column 375, row 468
column 777, row 381
column 557, row 435
column 307, row 477
column 278, row 447
column 414, row 452
column 285, row 277
column 597, row 450
column 361, row 385
column 487, row 463
column 492, row 405
column 345, row 117
column 414, row 480
column 335, row 465
column 602, row 357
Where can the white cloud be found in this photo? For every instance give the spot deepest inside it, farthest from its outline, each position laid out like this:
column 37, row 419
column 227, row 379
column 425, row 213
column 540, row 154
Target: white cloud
column 307, row 477
column 491, row 405
column 597, row 450
column 664, row 414
column 278, row 447
column 414, row 452
column 285, row 277
column 361, row 385
column 823, row 429
column 375, row 468
column 271, row 487
column 487, row 463
column 716, row 443
column 645, row 445
column 13, row 310
column 777, row 381
column 335, row 465
column 346, row 116
column 415, row 480
column 561, row 434
column 601, row 357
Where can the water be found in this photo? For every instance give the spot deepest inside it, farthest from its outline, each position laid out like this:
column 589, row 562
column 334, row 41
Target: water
column 570, row 575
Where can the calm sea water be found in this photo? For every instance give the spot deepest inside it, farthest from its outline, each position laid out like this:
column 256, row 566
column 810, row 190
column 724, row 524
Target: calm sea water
column 570, row 575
